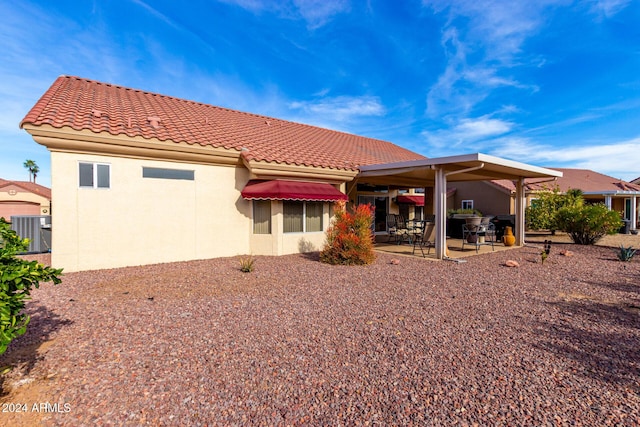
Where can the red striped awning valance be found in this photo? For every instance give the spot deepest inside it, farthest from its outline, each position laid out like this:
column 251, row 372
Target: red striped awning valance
column 292, row 190
column 417, row 200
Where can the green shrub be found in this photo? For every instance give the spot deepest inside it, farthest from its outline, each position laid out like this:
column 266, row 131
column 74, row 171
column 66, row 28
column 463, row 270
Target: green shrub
column 586, row 224
column 542, row 214
column 461, row 211
column 17, row 278
column 625, row 254
column 350, row 237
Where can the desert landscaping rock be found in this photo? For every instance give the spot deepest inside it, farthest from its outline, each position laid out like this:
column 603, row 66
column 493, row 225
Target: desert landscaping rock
column 297, row 342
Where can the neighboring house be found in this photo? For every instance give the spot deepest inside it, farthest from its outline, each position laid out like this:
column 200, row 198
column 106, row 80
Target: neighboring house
column 23, row 198
column 497, row 197
column 142, row 178
column 635, row 181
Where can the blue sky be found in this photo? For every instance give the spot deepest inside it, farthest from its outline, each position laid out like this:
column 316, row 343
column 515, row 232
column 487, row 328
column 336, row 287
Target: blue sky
column 551, row 83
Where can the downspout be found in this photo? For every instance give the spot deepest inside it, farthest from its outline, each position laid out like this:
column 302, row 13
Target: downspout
column 555, row 178
column 471, row 169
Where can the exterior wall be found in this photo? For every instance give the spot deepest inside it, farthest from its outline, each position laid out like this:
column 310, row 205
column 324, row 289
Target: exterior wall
column 15, row 200
column 280, row 243
column 486, row 198
column 145, row 220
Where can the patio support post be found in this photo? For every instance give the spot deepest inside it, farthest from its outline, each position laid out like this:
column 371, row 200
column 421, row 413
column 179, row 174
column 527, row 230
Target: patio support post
column 607, row 202
column 440, row 206
column 634, row 212
column 520, row 208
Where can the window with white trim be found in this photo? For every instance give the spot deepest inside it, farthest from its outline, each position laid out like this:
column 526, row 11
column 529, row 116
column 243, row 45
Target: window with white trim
column 467, row 204
column 302, row 217
column 94, row 175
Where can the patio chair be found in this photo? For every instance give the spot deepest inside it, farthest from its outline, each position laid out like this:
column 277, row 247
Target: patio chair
column 426, row 238
column 402, row 229
column 392, row 227
column 478, row 235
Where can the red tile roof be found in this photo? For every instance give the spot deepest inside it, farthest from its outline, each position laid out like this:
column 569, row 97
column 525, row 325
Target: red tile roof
column 31, row 187
column 83, row 104
column 582, row 179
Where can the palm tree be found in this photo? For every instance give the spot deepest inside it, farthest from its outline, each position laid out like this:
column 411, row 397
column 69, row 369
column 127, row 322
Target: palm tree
column 33, row 169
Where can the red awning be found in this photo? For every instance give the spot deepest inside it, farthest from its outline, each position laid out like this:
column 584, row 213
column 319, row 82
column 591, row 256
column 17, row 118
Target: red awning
column 292, row 190
column 411, row 199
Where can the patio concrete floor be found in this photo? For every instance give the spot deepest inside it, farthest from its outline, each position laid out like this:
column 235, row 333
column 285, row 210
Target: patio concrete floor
column 455, row 248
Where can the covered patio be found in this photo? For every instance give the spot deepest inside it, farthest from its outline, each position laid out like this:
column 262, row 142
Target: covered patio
column 435, row 173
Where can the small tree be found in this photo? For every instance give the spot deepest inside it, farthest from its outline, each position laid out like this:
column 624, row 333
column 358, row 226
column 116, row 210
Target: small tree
column 349, row 238
column 586, row 224
column 17, row 278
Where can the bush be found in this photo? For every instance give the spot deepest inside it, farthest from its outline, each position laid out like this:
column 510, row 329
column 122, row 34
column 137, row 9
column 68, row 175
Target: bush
column 247, row 264
column 461, row 211
column 350, row 237
column 542, row 214
column 17, row 277
column 588, row 223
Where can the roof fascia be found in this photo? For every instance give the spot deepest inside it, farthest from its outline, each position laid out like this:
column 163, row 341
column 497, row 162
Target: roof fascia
column 464, row 160
column 612, row 193
column 84, row 141
column 272, row 170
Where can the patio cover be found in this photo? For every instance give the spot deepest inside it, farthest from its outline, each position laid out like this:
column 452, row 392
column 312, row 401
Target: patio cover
column 437, row 172
column 291, row 190
column 411, row 199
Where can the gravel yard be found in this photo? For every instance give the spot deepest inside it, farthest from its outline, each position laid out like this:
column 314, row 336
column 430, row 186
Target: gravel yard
column 297, row 342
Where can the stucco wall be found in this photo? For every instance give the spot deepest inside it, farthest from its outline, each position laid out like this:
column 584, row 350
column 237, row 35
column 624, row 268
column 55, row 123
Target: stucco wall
column 146, row 220
column 486, row 198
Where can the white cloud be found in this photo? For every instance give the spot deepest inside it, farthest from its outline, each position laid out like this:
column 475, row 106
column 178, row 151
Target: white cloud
column 618, row 159
column 608, row 8
column 468, row 131
column 483, row 43
column 316, row 13
column 341, row 108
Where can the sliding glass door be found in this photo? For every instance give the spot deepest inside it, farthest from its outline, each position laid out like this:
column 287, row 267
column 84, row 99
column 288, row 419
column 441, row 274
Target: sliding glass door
column 381, row 206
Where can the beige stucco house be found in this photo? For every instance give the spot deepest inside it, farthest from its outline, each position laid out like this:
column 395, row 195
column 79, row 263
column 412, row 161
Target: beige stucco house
column 23, row 198
column 141, row 178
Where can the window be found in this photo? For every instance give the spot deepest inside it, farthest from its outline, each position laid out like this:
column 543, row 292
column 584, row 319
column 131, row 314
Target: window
column 302, row 217
column 94, row 175
column 467, row 204
column 164, row 173
column 313, row 216
column 293, row 214
column 261, row 217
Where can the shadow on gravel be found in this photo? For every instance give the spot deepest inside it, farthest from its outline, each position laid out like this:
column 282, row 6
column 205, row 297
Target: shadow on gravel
column 604, row 339
column 631, row 285
column 25, row 351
